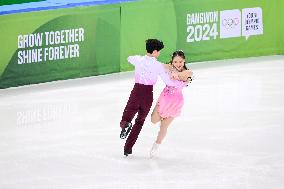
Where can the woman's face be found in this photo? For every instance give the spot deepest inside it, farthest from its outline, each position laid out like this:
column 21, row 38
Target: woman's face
column 178, row 63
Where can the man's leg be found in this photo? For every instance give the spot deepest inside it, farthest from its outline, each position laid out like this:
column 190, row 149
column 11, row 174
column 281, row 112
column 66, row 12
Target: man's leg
column 130, row 110
column 139, row 121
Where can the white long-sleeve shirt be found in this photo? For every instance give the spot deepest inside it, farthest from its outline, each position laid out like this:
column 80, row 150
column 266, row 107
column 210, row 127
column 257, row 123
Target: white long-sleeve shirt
column 147, row 69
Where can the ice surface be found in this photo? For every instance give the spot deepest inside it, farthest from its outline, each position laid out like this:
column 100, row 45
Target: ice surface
column 64, row 135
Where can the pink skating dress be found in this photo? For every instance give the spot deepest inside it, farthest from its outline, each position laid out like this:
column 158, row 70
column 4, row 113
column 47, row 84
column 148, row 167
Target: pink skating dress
column 171, row 99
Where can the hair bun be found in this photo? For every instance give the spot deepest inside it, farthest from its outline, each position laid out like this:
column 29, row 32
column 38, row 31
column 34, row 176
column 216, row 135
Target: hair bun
column 178, row 53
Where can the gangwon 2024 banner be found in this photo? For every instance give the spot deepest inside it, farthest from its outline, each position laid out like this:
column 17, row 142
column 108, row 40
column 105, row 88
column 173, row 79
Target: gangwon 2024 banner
column 228, row 29
column 204, row 29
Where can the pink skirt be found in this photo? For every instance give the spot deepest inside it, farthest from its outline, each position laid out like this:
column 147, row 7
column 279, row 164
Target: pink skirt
column 170, row 102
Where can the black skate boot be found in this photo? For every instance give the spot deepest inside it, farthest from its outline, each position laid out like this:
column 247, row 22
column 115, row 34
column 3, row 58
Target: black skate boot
column 127, row 152
column 126, row 130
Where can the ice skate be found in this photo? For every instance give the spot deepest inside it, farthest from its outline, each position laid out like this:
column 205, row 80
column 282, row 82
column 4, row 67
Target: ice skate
column 127, row 152
column 154, row 150
column 126, row 130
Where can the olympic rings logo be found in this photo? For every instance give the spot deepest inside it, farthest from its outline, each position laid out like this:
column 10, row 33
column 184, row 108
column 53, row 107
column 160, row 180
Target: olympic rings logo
column 230, row 23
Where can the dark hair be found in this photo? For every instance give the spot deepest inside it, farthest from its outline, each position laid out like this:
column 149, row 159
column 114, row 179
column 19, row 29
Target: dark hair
column 153, row 44
column 179, row 53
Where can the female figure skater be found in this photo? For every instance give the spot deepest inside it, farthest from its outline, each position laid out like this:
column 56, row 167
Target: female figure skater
column 170, row 102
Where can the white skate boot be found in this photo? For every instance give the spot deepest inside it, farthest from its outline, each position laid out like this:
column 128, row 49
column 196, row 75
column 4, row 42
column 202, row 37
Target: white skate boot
column 154, row 150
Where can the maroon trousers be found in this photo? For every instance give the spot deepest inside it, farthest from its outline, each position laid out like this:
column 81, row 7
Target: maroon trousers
column 140, row 101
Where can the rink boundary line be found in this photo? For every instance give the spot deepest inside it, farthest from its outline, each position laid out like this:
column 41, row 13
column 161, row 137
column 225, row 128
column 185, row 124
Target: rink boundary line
column 91, row 80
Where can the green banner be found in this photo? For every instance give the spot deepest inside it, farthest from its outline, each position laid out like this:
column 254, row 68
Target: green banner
column 86, row 41
column 59, row 44
column 143, row 20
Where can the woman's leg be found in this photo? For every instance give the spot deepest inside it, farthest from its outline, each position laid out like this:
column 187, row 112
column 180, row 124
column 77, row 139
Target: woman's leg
column 155, row 117
column 165, row 123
